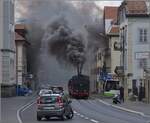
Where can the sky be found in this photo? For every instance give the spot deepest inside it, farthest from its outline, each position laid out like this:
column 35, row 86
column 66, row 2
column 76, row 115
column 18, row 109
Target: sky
column 100, row 3
column 103, row 3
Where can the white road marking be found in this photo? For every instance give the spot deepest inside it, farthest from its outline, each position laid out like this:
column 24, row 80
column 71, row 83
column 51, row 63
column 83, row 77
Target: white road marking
column 86, row 118
column 128, row 110
column 124, row 109
column 75, row 112
column 78, row 114
column 27, row 106
column 104, row 102
column 95, row 121
column 81, row 115
column 22, row 108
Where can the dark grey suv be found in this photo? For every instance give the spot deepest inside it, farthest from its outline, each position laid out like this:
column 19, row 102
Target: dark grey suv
column 54, row 105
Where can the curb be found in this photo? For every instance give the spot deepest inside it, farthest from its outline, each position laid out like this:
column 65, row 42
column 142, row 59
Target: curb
column 124, row 109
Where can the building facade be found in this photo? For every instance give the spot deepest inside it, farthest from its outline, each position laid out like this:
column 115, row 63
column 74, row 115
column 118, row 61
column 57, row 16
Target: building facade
column 21, row 56
column 7, row 48
column 108, row 57
column 134, row 23
column 112, row 56
column 113, row 38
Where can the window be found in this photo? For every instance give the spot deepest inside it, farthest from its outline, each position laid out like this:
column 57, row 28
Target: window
column 142, row 63
column 143, row 35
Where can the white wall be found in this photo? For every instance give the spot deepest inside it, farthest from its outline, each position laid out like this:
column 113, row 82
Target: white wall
column 115, row 55
column 107, row 25
column 8, row 42
column 1, row 37
column 134, row 25
column 19, row 63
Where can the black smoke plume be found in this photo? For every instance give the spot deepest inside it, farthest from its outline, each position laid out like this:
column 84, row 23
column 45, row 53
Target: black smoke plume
column 65, row 44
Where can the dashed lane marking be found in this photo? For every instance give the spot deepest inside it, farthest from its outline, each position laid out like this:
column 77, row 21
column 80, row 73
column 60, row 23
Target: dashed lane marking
column 94, row 121
column 75, row 112
column 78, row 114
column 86, row 118
column 82, row 116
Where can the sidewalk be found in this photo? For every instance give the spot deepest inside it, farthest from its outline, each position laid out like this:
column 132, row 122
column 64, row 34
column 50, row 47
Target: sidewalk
column 136, row 106
column 9, row 107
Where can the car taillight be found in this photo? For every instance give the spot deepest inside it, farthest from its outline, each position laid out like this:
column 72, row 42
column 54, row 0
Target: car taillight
column 59, row 102
column 39, row 100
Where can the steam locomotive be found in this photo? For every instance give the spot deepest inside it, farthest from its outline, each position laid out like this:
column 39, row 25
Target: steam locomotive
column 79, row 86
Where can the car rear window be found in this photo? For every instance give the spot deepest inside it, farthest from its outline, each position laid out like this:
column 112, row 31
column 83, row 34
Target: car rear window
column 48, row 99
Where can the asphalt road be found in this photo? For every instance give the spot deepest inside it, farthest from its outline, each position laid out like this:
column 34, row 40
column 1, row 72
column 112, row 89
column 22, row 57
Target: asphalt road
column 87, row 111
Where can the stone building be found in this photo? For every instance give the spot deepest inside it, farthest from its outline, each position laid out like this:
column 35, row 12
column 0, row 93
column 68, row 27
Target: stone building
column 7, row 48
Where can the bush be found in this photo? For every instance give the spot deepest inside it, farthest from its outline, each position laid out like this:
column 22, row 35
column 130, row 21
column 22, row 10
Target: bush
column 108, row 95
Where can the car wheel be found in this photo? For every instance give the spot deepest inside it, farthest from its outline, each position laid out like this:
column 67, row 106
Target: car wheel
column 63, row 117
column 47, row 118
column 70, row 116
column 38, row 118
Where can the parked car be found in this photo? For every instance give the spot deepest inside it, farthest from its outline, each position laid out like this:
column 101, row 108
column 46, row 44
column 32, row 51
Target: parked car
column 54, row 105
column 23, row 91
column 45, row 91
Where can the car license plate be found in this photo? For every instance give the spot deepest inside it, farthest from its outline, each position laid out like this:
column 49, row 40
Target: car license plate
column 49, row 108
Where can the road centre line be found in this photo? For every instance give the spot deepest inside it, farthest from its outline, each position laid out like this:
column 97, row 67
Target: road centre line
column 75, row 112
column 95, row 121
column 86, row 118
column 78, row 114
column 82, row 115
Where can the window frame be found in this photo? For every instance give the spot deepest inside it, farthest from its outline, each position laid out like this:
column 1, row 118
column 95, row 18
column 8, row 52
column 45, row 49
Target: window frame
column 143, row 35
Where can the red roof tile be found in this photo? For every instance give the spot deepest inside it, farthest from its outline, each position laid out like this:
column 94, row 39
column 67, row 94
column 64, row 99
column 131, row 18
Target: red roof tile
column 135, row 7
column 114, row 30
column 110, row 12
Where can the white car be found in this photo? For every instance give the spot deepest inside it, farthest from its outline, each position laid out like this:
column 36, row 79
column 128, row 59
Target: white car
column 45, row 91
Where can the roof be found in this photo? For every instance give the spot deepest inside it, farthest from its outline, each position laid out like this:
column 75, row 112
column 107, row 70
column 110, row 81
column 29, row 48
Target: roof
column 20, row 26
column 114, row 30
column 110, row 12
column 19, row 37
column 133, row 7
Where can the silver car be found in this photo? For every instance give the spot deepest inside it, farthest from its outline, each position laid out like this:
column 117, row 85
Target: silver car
column 54, row 105
column 45, row 91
